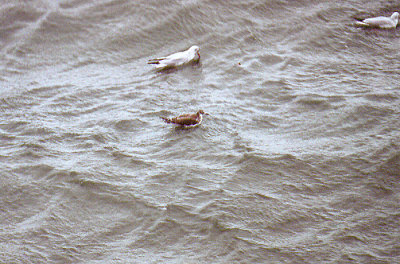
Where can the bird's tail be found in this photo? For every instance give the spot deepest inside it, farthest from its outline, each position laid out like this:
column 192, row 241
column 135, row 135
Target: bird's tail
column 166, row 120
column 155, row 61
column 361, row 24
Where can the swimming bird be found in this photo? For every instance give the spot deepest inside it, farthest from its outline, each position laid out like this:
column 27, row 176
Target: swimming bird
column 380, row 22
column 177, row 59
column 186, row 120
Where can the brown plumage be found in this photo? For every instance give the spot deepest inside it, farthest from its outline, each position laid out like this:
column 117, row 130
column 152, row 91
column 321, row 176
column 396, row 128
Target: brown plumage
column 186, row 119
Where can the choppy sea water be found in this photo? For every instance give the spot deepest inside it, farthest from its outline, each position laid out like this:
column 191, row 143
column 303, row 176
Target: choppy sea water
column 298, row 161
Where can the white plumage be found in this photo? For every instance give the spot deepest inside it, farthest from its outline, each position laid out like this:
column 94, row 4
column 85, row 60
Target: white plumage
column 380, row 22
column 177, row 59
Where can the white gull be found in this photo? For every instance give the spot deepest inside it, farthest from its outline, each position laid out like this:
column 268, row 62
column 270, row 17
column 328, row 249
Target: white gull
column 380, row 22
column 177, row 59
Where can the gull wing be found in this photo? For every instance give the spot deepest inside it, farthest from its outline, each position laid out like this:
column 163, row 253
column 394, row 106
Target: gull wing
column 378, row 22
column 185, row 120
column 175, row 59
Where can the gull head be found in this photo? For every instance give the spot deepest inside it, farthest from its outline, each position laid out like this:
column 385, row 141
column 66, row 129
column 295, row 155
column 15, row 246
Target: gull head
column 195, row 50
column 201, row 112
column 395, row 17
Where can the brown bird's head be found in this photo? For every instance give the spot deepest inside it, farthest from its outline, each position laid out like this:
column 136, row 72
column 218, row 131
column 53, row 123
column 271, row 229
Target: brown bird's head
column 201, row 112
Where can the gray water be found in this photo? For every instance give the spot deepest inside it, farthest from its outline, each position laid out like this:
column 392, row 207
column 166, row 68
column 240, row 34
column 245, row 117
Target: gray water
column 298, row 161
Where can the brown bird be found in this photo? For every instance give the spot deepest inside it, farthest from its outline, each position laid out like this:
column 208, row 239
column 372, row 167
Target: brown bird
column 186, row 120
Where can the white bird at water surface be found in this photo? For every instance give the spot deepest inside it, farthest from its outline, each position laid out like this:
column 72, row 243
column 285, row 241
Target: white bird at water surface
column 177, row 59
column 380, row 22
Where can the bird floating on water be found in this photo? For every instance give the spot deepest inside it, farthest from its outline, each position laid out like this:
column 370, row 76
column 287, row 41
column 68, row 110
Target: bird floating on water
column 186, row 120
column 380, row 22
column 177, row 59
